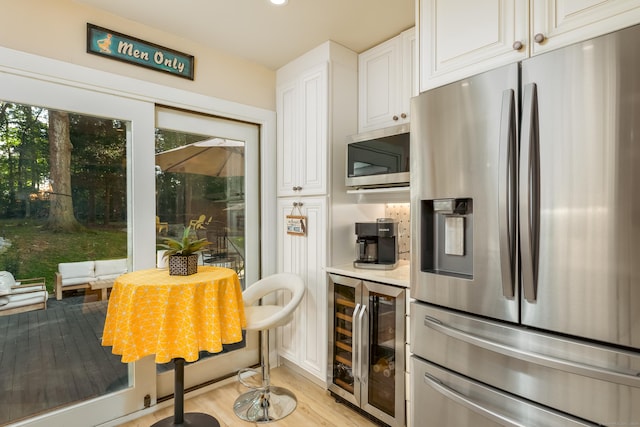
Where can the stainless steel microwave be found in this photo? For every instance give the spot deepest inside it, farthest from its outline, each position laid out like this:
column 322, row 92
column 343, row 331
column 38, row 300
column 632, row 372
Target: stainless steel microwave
column 379, row 158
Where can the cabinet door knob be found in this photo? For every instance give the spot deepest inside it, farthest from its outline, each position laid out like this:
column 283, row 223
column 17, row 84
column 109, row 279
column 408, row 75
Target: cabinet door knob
column 539, row 38
column 403, row 115
column 517, row 45
column 395, row 118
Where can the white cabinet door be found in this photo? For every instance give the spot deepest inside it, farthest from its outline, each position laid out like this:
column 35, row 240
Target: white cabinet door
column 410, row 85
column 459, row 38
column 302, row 127
column 379, row 72
column 557, row 23
column 387, row 80
column 304, row 340
column 287, row 138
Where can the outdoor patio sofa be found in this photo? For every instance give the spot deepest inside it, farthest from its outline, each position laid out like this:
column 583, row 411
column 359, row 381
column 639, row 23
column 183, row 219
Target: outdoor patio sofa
column 94, row 275
column 18, row 296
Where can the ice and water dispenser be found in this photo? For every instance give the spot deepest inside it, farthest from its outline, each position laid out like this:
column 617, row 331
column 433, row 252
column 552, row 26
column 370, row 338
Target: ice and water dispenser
column 447, row 237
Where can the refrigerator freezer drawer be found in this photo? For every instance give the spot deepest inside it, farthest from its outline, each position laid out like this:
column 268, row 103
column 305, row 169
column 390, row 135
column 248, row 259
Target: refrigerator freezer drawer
column 604, row 381
column 443, row 399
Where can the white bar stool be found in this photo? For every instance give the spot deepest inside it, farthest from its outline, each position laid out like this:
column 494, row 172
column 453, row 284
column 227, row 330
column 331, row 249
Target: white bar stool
column 268, row 403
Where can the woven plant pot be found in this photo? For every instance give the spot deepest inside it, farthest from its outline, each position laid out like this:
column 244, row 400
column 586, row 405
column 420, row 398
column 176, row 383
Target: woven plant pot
column 183, row 265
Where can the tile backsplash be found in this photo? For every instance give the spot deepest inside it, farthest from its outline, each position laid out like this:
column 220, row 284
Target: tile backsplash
column 400, row 212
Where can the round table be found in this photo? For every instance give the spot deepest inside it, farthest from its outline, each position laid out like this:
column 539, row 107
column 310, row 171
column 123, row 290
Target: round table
column 175, row 317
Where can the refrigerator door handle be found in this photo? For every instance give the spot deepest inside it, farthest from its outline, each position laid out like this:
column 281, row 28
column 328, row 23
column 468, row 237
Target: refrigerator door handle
column 355, row 343
column 529, row 198
column 459, row 398
column 629, row 378
column 506, row 187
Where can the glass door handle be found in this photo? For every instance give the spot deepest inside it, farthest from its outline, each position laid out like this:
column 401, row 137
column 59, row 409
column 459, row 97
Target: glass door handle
column 362, row 343
column 355, row 346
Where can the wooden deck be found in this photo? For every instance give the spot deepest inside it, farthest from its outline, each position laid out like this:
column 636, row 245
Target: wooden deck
column 51, row 358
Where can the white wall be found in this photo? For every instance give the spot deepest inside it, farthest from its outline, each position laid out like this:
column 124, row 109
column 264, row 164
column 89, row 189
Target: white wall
column 57, row 29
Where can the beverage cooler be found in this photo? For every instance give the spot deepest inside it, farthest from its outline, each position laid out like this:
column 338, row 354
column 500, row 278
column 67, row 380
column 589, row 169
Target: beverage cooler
column 366, row 347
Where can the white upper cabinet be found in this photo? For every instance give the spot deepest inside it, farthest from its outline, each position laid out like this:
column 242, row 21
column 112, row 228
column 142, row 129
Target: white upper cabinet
column 459, row 38
column 301, row 106
column 387, row 79
column 559, row 23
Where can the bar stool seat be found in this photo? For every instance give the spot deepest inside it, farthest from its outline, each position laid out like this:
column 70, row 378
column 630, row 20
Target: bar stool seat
column 267, row 403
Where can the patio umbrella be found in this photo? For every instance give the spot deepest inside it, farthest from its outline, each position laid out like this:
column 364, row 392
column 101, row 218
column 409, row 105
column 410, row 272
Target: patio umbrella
column 212, row 157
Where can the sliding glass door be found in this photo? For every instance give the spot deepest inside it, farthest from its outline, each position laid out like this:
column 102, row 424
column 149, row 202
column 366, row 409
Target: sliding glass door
column 207, row 179
column 67, row 157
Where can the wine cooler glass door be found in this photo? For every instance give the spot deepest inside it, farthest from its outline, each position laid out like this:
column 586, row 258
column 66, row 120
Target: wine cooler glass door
column 383, row 378
column 345, row 308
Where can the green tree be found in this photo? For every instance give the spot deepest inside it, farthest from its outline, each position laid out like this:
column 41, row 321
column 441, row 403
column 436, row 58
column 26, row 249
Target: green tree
column 23, row 157
column 98, row 171
column 61, row 217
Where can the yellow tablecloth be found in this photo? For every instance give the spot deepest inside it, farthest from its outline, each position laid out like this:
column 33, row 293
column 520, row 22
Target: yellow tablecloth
column 151, row 312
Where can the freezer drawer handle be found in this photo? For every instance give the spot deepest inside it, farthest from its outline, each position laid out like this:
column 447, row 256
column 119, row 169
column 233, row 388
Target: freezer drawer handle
column 450, row 393
column 629, row 378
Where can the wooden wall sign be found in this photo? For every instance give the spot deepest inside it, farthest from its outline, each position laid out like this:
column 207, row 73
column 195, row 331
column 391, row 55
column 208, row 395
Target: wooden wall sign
column 120, row 47
column 296, row 224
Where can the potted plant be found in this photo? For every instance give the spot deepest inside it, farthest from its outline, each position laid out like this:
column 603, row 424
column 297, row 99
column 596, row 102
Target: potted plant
column 182, row 253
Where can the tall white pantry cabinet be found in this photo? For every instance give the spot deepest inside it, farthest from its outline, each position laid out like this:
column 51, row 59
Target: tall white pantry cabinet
column 316, row 107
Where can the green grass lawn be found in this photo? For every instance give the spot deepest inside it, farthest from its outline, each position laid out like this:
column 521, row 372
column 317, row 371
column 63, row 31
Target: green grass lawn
column 36, row 252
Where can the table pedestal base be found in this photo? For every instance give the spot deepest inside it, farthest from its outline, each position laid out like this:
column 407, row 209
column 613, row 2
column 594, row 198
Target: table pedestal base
column 191, row 419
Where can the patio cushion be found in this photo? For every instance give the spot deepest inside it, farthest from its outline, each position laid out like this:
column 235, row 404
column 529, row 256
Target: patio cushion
column 4, row 301
column 110, row 268
column 28, row 297
column 26, row 288
column 74, row 273
column 6, row 282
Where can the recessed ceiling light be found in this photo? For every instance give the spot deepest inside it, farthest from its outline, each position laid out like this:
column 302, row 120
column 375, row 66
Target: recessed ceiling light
column 279, row 2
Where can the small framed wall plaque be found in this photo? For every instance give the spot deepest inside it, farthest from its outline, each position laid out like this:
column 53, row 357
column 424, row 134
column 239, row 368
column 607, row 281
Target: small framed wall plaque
column 296, row 224
column 121, row 47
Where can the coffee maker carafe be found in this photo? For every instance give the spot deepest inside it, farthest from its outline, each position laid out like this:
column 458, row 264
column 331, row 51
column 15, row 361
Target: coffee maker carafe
column 377, row 244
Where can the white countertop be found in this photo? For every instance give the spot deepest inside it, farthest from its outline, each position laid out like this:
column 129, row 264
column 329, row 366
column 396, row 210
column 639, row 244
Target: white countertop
column 398, row 276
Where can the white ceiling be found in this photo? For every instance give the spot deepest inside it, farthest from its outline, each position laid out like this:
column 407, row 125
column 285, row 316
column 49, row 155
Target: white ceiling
column 269, row 35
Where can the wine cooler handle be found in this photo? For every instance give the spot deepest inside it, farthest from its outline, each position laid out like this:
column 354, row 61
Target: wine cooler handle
column 364, row 370
column 355, row 343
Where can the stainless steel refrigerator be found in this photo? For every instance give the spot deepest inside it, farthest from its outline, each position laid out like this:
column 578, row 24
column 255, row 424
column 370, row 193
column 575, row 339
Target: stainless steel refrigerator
column 525, row 216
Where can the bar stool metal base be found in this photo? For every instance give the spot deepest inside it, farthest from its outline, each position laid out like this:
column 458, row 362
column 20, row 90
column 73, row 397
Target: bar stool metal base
column 260, row 406
column 191, row 419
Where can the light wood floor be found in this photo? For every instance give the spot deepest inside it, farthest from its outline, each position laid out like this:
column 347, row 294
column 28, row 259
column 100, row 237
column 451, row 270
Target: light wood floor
column 315, row 406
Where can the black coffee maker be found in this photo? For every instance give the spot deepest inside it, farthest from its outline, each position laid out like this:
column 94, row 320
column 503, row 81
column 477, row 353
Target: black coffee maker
column 377, row 244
